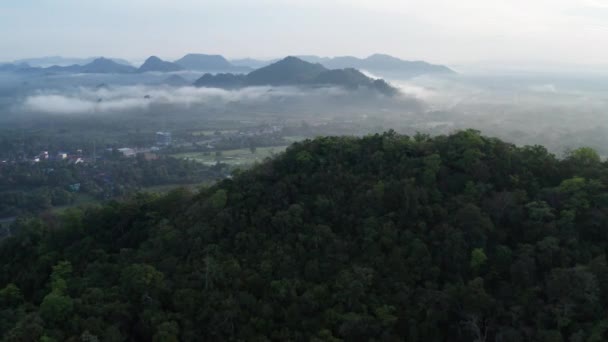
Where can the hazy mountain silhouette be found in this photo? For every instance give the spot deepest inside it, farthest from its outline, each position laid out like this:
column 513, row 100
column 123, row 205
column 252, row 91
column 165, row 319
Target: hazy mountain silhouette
column 381, row 64
column 294, row 71
column 11, row 67
column 252, row 62
column 175, row 81
column 290, row 70
column 202, row 62
column 224, row 81
column 44, row 62
column 98, row 66
column 106, row 66
column 154, row 63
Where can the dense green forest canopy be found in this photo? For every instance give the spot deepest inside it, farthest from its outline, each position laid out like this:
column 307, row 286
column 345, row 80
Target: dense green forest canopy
column 385, row 237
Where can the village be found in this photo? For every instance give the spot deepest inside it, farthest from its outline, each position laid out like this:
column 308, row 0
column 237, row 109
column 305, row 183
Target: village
column 197, row 141
column 61, row 178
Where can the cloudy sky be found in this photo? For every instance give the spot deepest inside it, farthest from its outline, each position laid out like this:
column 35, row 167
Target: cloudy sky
column 443, row 31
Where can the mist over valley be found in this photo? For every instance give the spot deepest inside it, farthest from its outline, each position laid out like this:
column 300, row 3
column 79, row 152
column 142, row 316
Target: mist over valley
column 559, row 110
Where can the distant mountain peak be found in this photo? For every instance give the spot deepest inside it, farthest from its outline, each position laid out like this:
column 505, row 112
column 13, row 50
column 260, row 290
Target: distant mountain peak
column 104, row 65
column 154, row 63
column 289, row 70
column 293, row 71
column 382, row 56
column 103, row 61
column 153, row 59
column 203, row 62
column 293, row 60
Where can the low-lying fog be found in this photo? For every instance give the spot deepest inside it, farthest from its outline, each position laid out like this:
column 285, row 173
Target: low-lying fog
column 560, row 111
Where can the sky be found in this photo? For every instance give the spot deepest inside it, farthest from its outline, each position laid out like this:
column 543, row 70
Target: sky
column 441, row 31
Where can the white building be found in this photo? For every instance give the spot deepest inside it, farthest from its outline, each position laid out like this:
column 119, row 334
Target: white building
column 127, row 151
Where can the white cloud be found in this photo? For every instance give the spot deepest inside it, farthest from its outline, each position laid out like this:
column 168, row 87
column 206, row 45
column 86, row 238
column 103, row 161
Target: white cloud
column 132, row 98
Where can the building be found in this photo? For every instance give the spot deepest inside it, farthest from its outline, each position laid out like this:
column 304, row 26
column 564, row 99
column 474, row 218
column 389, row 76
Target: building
column 76, row 160
column 74, row 187
column 127, row 151
column 163, row 138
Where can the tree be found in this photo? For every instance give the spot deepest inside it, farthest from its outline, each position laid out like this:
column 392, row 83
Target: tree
column 56, row 307
column 167, row 331
column 478, row 259
column 584, row 156
column 140, row 281
column 10, row 295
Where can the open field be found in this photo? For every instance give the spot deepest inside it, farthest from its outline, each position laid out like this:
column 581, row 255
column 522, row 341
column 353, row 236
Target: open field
column 79, row 200
column 294, row 138
column 239, row 157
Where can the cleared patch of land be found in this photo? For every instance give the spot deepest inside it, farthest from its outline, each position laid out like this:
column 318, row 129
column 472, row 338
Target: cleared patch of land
column 294, row 138
column 239, row 157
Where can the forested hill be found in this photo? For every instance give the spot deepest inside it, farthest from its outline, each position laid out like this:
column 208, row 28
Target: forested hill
column 385, row 238
column 293, row 71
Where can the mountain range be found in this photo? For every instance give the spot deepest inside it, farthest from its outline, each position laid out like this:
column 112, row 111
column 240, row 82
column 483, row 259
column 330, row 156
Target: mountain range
column 154, row 63
column 288, row 71
column 98, row 66
column 45, row 62
column 295, row 71
column 382, row 65
column 252, row 62
column 202, row 62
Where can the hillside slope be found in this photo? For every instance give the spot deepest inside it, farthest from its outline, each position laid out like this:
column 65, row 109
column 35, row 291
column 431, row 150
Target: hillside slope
column 292, row 71
column 156, row 64
column 386, row 237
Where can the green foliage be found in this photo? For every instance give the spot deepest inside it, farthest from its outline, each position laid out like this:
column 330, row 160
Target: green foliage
column 140, row 280
column 56, row 307
column 218, row 199
column 10, row 296
column 61, row 271
column 584, row 156
column 383, row 238
column 167, row 332
column 478, row 258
